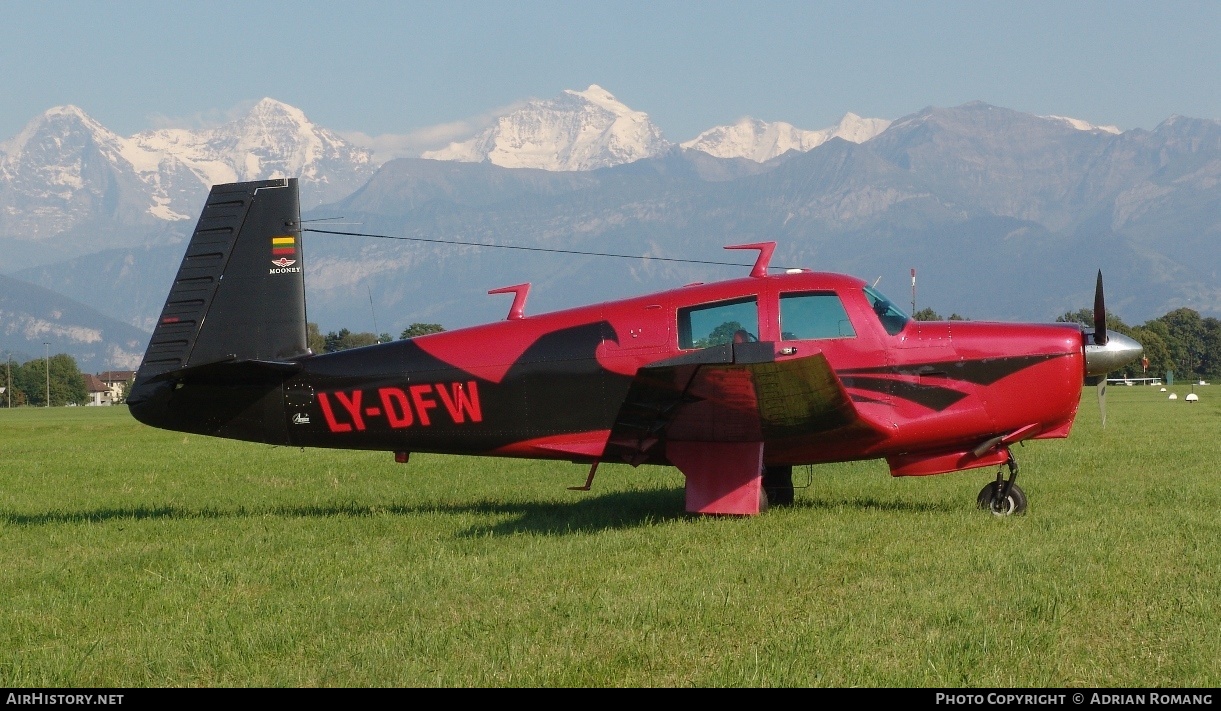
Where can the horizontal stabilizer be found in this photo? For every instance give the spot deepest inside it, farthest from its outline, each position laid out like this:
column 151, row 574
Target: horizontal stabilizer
column 230, row 370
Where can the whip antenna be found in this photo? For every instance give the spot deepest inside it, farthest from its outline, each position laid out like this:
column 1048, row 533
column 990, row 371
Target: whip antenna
column 376, row 333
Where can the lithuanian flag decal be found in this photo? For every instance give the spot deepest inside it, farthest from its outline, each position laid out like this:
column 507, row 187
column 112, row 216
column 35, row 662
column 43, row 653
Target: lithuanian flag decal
column 283, row 245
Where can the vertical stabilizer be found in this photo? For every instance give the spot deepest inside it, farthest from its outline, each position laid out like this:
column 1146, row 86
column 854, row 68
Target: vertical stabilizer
column 240, row 291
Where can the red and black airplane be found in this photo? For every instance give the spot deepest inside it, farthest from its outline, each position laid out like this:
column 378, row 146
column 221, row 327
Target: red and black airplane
column 732, row 382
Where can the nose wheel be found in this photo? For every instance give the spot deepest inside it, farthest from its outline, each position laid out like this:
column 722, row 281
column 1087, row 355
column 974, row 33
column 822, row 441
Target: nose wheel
column 1003, row 497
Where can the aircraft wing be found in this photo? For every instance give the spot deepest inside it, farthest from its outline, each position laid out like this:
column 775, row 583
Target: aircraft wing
column 729, row 393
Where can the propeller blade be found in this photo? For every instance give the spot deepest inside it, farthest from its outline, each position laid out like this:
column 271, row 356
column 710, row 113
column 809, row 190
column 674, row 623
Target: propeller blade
column 1100, row 315
column 1102, row 398
column 1100, row 339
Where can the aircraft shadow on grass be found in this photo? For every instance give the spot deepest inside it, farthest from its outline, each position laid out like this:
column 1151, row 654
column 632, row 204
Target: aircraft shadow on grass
column 598, row 513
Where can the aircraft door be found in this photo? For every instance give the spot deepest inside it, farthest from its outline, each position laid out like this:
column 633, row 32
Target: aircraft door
column 817, row 321
column 814, row 316
column 823, row 320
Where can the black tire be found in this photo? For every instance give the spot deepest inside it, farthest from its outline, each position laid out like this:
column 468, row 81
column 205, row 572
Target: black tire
column 778, row 483
column 1013, row 505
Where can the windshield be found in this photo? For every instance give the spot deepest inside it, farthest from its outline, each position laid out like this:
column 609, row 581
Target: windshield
column 892, row 317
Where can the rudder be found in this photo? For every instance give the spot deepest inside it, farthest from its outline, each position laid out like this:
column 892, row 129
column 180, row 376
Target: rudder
column 240, row 291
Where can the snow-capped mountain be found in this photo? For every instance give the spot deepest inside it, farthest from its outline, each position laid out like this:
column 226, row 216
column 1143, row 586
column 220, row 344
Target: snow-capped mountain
column 761, row 140
column 1084, row 125
column 577, row 130
column 65, row 169
column 273, row 140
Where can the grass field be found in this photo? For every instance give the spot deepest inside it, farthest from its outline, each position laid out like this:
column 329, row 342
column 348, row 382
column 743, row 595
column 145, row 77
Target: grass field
column 137, row 557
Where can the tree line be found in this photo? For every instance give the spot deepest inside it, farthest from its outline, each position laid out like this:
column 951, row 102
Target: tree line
column 343, row 339
column 28, row 383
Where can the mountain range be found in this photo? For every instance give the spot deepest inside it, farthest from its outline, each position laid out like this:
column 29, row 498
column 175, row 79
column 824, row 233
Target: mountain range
column 578, row 130
column 1006, row 214
column 69, row 185
column 31, row 316
column 761, row 141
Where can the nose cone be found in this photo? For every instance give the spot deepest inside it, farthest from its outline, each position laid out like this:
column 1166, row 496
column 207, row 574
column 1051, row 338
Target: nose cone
column 1118, row 352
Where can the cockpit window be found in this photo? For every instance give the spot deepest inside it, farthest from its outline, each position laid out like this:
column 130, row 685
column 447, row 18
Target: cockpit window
column 813, row 315
column 734, row 321
column 893, row 319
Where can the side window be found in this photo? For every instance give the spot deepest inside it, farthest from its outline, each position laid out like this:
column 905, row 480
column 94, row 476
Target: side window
column 813, row 315
column 722, row 322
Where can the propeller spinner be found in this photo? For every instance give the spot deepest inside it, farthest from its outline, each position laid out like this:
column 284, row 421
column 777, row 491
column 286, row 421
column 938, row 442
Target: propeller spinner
column 1106, row 351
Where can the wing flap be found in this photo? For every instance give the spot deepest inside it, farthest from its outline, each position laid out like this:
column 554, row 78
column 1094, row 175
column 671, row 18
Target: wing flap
column 729, row 394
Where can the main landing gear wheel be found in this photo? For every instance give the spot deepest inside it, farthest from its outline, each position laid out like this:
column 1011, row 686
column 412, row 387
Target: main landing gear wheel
column 990, row 499
column 1003, row 498
column 778, row 485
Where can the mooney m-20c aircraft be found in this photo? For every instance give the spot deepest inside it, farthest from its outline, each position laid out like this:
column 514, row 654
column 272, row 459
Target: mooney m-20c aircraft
column 732, row 382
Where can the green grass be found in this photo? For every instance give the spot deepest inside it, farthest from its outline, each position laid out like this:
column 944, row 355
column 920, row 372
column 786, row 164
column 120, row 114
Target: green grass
column 137, row 557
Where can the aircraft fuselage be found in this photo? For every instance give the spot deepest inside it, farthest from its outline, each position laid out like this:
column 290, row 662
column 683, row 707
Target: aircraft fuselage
column 551, row 385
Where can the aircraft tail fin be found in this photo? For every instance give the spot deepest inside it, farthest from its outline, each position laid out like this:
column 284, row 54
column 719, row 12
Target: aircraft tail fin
column 240, row 290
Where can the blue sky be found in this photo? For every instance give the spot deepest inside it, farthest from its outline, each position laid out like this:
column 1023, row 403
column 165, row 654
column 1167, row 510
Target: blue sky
column 403, row 68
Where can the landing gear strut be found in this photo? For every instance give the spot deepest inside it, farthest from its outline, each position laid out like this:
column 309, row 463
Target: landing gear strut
column 1003, row 497
column 778, row 485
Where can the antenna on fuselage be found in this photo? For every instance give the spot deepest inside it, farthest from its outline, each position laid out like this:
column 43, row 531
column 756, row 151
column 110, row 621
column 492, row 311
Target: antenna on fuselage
column 376, row 333
column 875, row 281
column 520, row 292
column 759, row 270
